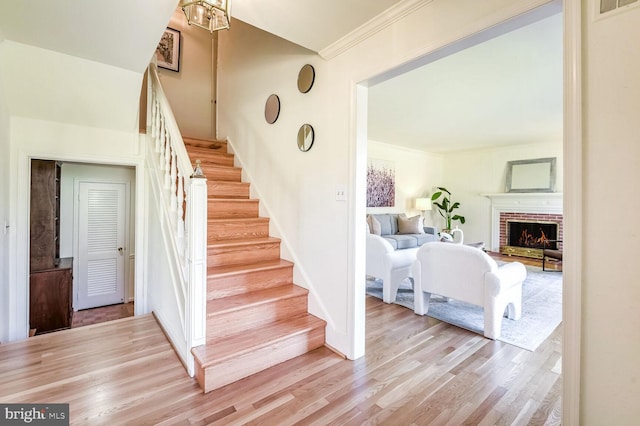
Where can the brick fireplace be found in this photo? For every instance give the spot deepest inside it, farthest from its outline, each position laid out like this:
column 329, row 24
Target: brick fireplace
column 538, row 216
column 526, row 234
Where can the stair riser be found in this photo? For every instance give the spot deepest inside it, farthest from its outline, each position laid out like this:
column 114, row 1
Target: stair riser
column 232, row 209
column 218, row 146
column 212, row 158
column 219, row 231
column 225, row 256
column 245, row 319
column 231, row 370
column 227, row 189
column 204, row 150
column 245, row 282
column 222, row 174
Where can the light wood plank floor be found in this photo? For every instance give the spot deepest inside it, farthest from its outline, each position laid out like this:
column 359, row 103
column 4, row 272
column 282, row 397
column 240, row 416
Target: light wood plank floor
column 417, row 371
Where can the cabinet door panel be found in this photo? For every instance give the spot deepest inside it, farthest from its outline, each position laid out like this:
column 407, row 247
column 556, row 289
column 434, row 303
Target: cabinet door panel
column 43, row 217
column 50, row 300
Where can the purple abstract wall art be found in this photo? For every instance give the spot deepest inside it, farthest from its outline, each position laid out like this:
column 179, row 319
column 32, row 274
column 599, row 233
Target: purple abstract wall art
column 381, row 183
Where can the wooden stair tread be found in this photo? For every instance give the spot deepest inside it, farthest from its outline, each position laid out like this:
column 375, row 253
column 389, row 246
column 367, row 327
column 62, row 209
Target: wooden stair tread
column 219, row 350
column 239, row 220
column 219, row 167
column 220, row 271
column 247, row 300
column 226, row 183
column 189, row 139
column 214, row 199
column 242, row 242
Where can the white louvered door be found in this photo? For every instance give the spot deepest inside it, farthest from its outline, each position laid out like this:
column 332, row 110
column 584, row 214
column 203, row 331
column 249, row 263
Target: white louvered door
column 101, row 254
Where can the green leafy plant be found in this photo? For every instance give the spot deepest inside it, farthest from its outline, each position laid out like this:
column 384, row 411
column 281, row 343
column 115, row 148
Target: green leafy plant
column 446, row 206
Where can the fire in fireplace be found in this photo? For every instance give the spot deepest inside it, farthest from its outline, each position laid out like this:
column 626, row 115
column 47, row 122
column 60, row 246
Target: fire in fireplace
column 537, row 235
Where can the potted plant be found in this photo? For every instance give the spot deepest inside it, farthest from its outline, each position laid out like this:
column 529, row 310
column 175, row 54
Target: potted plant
column 446, row 207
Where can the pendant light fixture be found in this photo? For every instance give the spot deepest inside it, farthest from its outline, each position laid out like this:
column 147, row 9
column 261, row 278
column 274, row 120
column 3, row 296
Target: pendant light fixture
column 212, row 15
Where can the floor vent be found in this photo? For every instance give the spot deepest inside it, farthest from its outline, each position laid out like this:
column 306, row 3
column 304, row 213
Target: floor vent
column 610, row 5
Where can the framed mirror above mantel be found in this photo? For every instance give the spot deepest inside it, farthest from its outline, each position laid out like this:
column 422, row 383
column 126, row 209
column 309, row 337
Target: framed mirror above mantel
column 535, row 175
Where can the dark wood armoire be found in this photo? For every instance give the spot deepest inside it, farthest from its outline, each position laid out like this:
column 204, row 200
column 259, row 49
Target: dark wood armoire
column 51, row 279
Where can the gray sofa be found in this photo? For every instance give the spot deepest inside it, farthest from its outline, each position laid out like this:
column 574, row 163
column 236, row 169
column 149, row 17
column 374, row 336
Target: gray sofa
column 389, row 230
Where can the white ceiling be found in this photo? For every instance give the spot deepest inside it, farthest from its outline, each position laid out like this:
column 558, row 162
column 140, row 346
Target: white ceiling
column 505, row 91
column 122, row 33
column 314, row 24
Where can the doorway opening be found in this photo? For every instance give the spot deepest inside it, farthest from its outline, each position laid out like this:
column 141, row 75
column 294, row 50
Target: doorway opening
column 366, row 90
column 90, row 208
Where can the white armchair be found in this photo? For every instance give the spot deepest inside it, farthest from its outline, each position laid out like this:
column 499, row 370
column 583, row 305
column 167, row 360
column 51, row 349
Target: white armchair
column 470, row 275
column 392, row 266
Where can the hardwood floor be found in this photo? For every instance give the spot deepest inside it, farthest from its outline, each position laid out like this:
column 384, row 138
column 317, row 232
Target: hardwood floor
column 102, row 314
column 417, row 371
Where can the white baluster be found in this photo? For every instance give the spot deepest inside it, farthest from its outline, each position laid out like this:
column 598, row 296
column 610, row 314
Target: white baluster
column 173, row 177
column 154, row 113
column 166, row 166
column 158, row 119
column 156, row 125
column 161, row 142
column 181, row 202
column 186, row 186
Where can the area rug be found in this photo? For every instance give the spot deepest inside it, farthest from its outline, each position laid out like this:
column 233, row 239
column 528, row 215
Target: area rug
column 541, row 309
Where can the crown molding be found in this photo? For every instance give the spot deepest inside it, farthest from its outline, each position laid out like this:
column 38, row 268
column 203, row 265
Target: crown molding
column 371, row 27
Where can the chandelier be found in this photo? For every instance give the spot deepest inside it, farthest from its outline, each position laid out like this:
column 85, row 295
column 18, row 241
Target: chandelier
column 212, row 15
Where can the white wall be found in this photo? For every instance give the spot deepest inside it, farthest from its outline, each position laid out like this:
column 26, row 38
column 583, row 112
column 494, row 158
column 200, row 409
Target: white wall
column 51, row 86
column 298, row 188
column 467, row 174
column 61, row 107
column 4, row 209
column 611, row 161
column 71, row 172
column 292, row 190
column 417, row 173
column 189, row 90
column 163, row 299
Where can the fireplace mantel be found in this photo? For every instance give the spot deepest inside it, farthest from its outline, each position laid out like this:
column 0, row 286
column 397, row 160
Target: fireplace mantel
column 526, row 202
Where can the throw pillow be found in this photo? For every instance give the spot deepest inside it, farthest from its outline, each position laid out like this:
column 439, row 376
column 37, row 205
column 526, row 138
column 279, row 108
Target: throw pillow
column 374, row 225
column 411, row 225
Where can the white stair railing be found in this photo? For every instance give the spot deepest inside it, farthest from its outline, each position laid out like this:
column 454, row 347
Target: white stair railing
column 183, row 217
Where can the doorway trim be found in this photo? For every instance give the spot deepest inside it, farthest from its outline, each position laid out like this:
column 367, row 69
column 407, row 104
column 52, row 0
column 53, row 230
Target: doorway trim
column 572, row 277
column 18, row 328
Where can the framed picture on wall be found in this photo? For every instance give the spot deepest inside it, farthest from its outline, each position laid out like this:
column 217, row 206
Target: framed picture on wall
column 381, row 183
column 168, row 50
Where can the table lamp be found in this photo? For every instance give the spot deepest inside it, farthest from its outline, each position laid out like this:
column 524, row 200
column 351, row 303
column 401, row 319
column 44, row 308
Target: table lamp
column 423, row 204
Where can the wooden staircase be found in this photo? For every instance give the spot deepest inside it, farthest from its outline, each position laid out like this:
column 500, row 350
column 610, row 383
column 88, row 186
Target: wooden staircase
column 256, row 316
